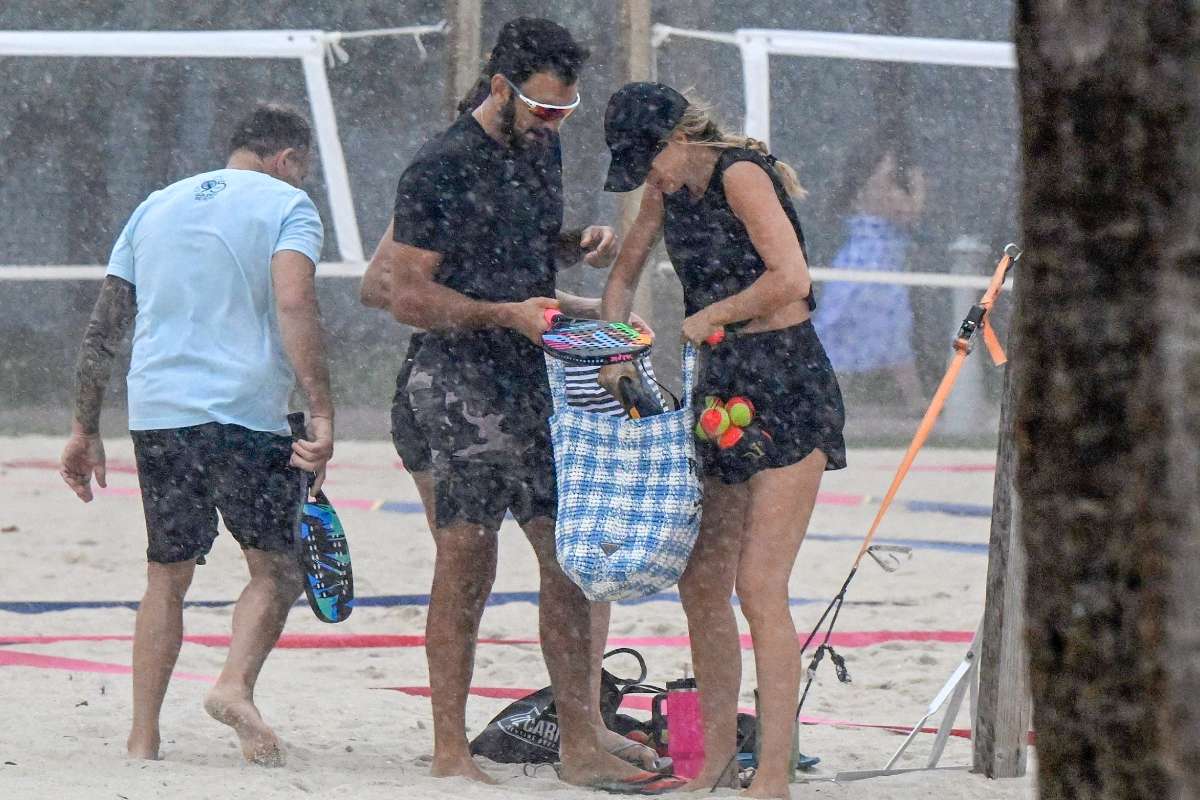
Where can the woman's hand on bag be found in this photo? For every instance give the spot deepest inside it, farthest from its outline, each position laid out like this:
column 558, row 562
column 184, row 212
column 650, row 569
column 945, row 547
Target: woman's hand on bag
column 698, row 327
column 611, row 374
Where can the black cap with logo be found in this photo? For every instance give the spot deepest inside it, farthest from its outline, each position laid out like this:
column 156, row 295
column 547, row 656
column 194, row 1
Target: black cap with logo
column 639, row 118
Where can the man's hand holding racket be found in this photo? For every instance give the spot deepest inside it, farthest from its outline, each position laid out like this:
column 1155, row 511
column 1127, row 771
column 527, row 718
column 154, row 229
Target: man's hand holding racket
column 529, row 317
column 313, row 452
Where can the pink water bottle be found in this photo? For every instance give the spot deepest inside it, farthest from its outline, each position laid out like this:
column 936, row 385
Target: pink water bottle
column 685, row 726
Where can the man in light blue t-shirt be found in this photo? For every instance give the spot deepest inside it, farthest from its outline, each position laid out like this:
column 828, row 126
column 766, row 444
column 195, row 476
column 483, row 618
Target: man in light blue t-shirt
column 216, row 273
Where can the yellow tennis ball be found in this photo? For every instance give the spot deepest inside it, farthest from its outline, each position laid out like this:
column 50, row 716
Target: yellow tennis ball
column 712, row 401
column 741, row 411
column 700, row 434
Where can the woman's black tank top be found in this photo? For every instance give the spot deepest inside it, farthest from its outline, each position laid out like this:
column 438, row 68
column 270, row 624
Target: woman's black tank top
column 709, row 246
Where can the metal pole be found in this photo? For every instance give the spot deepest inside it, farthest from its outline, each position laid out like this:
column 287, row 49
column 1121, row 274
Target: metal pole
column 966, row 411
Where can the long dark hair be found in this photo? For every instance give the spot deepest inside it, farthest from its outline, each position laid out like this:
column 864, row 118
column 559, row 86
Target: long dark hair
column 860, row 163
column 526, row 46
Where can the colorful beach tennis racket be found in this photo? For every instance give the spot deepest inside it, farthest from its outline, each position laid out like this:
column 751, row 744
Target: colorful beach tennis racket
column 592, row 341
column 322, row 550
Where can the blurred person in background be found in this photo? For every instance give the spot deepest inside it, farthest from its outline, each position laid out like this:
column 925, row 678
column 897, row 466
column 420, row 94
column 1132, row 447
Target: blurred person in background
column 867, row 328
column 216, row 273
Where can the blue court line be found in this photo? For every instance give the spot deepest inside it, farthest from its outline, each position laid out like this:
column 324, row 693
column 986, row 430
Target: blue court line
column 953, row 509
column 403, row 507
column 918, row 506
column 916, row 544
column 379, row 601
column 496, row 599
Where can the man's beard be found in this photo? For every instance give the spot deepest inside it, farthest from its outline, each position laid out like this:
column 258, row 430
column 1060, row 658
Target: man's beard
column 540, row 137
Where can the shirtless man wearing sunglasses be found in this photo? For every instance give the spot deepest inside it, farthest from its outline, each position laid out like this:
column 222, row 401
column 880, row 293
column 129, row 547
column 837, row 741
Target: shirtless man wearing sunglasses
column 475, row 243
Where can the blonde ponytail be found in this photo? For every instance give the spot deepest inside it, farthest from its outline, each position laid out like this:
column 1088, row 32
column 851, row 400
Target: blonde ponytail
column 699, row 126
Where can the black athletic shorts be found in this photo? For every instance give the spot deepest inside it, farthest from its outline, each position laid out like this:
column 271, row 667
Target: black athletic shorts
column 189, row 474
column 787, row 376
column 406, row 435
column 486, row 422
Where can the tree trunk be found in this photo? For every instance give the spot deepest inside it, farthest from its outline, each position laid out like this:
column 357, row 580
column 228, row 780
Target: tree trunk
column 1110, row 142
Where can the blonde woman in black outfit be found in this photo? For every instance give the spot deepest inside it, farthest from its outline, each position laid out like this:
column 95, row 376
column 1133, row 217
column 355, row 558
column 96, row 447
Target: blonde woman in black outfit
column 721, row 202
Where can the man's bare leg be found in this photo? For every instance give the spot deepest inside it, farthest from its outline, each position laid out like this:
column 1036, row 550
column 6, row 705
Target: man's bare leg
column 258, row 619
column 157, row 636
column 424, row 483
column 613, row 742
column 462, row 580
column 565, row 626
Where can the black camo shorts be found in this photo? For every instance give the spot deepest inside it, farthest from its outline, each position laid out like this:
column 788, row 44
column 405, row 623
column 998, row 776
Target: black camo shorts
column 407, row 437
column 484, row 414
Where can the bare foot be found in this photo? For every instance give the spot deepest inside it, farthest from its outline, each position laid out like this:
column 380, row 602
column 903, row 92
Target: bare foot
column 144, row 746
column 460, row 767
column 259, row 743
column 589, row 768
column 626, row 749
column 705, row 783
column 776, row 789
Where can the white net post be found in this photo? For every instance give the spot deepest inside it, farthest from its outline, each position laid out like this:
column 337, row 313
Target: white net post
column 756, row 74
column 333, row 161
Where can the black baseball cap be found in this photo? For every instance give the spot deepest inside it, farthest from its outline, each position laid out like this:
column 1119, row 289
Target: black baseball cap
column 639, row 118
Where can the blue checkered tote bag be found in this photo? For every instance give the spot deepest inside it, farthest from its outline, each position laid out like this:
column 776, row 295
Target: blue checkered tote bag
column 628, row 494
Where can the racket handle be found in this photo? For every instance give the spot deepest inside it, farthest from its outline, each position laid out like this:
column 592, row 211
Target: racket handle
column 551, row 315
column 716, row 338
column 636, row 400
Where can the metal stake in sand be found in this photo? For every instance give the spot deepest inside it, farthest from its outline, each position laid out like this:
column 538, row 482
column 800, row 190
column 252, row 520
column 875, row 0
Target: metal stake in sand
column 975, row 321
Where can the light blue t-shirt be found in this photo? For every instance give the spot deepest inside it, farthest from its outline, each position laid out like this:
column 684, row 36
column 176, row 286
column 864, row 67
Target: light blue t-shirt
column 206, row 343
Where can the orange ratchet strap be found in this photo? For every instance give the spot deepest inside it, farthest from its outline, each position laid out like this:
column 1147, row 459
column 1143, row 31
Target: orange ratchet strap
column 964, row 342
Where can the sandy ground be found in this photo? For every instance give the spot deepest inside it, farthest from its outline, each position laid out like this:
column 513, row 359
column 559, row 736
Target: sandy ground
column 349, row 737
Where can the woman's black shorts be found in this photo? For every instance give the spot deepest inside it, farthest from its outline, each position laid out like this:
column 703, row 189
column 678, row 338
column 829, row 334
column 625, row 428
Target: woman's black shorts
column 787, row 376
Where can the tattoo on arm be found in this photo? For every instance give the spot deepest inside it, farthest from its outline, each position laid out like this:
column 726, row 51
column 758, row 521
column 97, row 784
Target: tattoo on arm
column 114, row 310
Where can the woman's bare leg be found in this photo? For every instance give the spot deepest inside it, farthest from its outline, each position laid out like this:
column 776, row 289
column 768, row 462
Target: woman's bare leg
column 781, row 503
column 705, row 589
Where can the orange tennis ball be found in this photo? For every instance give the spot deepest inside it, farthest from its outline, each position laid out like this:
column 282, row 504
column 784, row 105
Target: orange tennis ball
column 700, row 434
column 741, row 411
column 729, row 438
column 714, row 421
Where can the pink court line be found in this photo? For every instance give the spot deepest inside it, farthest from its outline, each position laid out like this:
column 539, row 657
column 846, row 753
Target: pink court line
column 338, row 641
column 13, row 658
column 16, row 658
column 643, row 702
column 129, row 467
column 823, row 498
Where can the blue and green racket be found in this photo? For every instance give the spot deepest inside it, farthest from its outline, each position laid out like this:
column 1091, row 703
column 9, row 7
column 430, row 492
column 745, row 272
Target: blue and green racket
column 322, row 549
